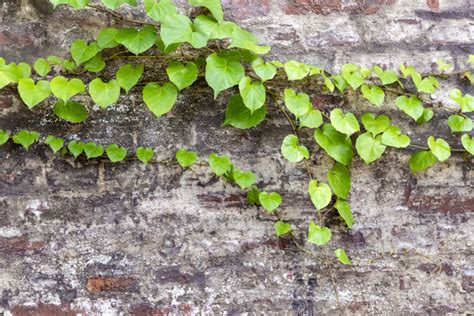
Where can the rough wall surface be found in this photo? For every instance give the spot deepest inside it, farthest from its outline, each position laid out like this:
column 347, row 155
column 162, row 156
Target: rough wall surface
column 98, row 238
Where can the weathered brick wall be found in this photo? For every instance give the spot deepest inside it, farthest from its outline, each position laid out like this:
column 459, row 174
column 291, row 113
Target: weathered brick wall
column 93, row 237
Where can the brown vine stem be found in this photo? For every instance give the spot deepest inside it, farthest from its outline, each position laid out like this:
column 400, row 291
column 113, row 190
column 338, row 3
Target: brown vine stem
column 119, row 16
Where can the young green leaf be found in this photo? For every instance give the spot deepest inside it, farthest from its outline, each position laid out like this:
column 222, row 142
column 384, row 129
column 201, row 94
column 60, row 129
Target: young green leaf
column 96, row 64
column 442, row 66
column 467, row 142
column 4, row 136
column 425, row 117
column 26, row 138
column 459, row 123
column 69, row 65
column 252, row 196
column 340, row 180
column 76, row 4
column 177, row 28
column 374, row 94
column 426, row 85
column 42, row 67
column 342, row 256
column 247, row 41
column 318, row 235
column 298, row 104
column 55, row 143
column 75, row 148
column 282, row 228
column 93, row 150
column 219, row 164
column 329, row 84
column 160, row 99
column 351, row 73
column 296, row 70
column 466, row 102
column 339, row 82
column 32, row 93
column 265, row 71
column 422, row 160
column 82, row 52
column 270, row 201
column 412, row 106
column 223, row 71
column 129, row 75
column 253, row 93
column 320, row 194
column 337, row 145
column 292, row 150
column 144, row 154
column 370, row 148
column 54, row 60
column 114, row 4
column 239, row 116
column 65, row 89
column 70, row 111
column 158, row 10
column 185, row 157
column 116, row 153
column 214, row 6
column 182, row 75
column 387, row 76
column 312, row 119
column 106, row 38
column 375, row 125
column 137, row 41
column 440, row 148
column 344, row 123
column 244, row 179
column 393, row 137
column 344, row 209
column 104, row 93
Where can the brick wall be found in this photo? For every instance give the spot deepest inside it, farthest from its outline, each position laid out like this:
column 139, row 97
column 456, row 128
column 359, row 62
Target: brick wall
column 98, row 238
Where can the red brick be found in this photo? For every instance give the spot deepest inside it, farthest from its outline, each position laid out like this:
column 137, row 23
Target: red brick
column 43, row 310
column 19, row 245
column 99, row 284
column 433, row 4
column 245, row 9
column 329, row 6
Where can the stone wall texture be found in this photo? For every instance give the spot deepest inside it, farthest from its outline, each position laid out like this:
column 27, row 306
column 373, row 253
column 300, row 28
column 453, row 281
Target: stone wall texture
column 95, row 238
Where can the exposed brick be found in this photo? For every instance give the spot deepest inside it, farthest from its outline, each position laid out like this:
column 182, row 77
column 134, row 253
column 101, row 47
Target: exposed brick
column 6, row 101
column 433, row 4
column 42, row 309
column 19, row 245
column 173, row 274
column 245, row 9
column 447, row 204
column 468, row 281
column 97, row 284
column 280, row 243
column 329, row 6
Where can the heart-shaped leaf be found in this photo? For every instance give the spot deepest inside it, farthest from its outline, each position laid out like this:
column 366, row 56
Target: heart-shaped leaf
column 82, row 52
column 75, row 147
column 26, row 138
column 42, row 67
column 412, row 106
column 292, row 150
column 129, row 75
column 244, row 179
column 344, row 123
column 320, row 194
column 55, row 143
column 425, row 117
column 467, row 142
column 370, row 148
column 342, row 256
column 336, row 144
column 426, row 85
column 104, row 93
column 466, row 102
column 393, row 137
column 422, row 160
column 318, row 235
column 32, row 93
column 282, row 228
column 440, row 148
column 106, row 38
column 265, row 71
column 185, row 157
column 214, row 6
column 116, row 153
column 144, row 154
column 387, row 76
column 340, row 180
column 298, row 104
column 374, row 94
column 158, row 10
column 375, row 125
column 223, row 71
column 160, row 99
column 182, row 74
column 70, row 111
column 270, row 201
column 247, row 41
column 96, row 64
column 296, row 70
column 219, row 164
column 114, row 4
column 93, row 150
column 253, row 93
column 344, row 209
column 459, row 123
column 4, row 136
column 239, row 116
column 137, row 41
column 351, row 73
column 65, row 89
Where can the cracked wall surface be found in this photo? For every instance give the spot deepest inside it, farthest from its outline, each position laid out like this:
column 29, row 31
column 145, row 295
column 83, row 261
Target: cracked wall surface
column 92, row 237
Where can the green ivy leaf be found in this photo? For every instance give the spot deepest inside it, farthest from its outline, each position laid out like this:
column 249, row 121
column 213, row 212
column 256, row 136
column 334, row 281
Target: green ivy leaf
column 351, row 73
column 296, row 70
column 375, row 125
column 292, row 150
column 158, row 10
column 219, row 164
column 116, row 153
column 329, row 84
column 129, row 75
column 340, row 180
column 442, row 66
column 137, row 41
column 282, row 228
column 387, row 77
column 160, row 99
column 339, row 82
column 31, row 93
column 466, row 102
column 106, row 38
column 42, row 67
column 26, row 138
column 459, row 123
column 4, row 136
column 185, row 157
column 337, row 145
column 104, row 93
column 65, row 89
column 370, row 148
column 55, row 143
column 246, row 40
column 318, row 235
column 214, row 6
column 467, row 142
column 426, row 85
column 270, row 201
column 166, row 49
column 81, row 51
column 70, row 111
column 69, row 65
column 182, row 75
column 425, row 117
column 93, row 150
column 244, row 179
column 422, row 160
column 75, row 148
column 253, row 93
column 344, row 209
column 320, row 194
column 312, row 119
column 239, row 116
column 252, row 196
column 114, row 4
column 298, row 104
column 144, row 154
column 177, row 28
column 374, row 94
column 265, row 71
column 54, row 60
column 412, row 106
column 344, row 123
column 223, row 71
column 11, row 73
column 76, row 4
column 96, row 64
column 393, row 137
column 440, row 148
column 341, row 256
